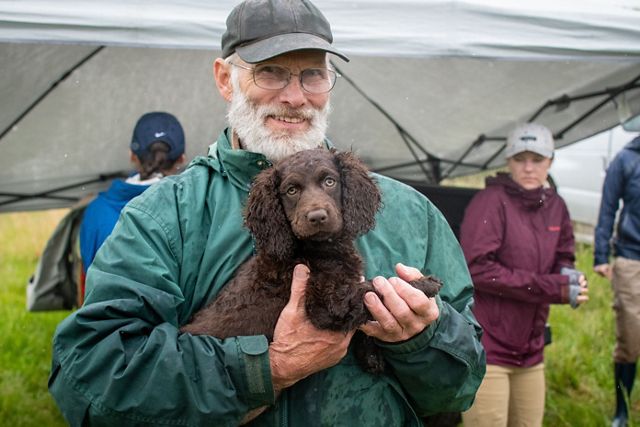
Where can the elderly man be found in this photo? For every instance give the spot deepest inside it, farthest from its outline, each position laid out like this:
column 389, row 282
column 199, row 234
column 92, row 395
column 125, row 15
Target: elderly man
column 121, row 360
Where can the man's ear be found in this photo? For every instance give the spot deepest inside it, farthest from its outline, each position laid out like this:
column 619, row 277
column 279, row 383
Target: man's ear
column 222, row 74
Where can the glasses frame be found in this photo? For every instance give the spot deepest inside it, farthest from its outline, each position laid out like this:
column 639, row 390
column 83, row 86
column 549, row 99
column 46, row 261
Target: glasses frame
column 291, row 74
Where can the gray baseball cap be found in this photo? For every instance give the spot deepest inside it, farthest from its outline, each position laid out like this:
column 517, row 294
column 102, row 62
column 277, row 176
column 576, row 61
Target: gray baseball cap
column 530, row 137
column 262, row 29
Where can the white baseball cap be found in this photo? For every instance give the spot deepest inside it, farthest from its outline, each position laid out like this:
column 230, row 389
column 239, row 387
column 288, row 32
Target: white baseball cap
column 530, row 137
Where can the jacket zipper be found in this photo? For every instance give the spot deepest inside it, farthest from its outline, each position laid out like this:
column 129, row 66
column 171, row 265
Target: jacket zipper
column 284, row 409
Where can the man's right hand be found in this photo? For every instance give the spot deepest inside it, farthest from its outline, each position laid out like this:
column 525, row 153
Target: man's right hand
column 299, row 349
column 603, row 269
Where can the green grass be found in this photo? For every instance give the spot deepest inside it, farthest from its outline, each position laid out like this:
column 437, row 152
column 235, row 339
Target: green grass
column 578, row 362
column 25, row 338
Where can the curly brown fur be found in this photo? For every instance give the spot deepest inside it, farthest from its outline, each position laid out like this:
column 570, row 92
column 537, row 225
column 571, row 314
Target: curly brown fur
column 307, row 209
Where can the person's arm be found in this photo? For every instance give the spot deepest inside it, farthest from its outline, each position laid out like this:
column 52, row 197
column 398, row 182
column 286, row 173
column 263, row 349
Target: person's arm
column 121, row 358
column 566, row 248
column 432, row 345
column 299, row 349
column 481, row 237
column 610, row 202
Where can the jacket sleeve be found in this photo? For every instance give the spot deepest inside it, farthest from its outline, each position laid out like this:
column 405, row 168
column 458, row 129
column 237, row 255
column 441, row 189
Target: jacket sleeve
column 442, row 368
column 481, row 237
column 94, row 230
column 120, row 359
column 566, row 249
column 609, row 204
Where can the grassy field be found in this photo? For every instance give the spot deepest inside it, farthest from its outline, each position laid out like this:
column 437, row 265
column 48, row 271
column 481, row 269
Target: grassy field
column 578, row 362
column 25, row 338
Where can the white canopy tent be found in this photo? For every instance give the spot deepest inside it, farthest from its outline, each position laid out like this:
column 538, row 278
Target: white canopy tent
column 431, row 90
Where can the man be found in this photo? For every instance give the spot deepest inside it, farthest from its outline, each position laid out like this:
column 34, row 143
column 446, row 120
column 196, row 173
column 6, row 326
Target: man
column 622, row 183
column 121, row 359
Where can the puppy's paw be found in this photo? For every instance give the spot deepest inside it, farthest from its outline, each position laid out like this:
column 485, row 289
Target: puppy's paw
column 430, row 285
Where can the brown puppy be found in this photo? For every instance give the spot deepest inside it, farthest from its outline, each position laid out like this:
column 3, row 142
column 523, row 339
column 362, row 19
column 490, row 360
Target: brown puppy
column 307, row 209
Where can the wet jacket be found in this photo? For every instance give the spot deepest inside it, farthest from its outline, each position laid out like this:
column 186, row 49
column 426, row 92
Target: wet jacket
column 621, row 183
column 515, row 241
column 120, row 359
column 101, row 216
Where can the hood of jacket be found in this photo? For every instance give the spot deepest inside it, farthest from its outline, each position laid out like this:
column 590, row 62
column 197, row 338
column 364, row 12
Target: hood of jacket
column 634, row 144
column 530, row 199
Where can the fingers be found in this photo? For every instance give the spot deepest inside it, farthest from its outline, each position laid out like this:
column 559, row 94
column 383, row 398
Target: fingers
column 603, row 270
column 402, row 312
column 582, row 281
column 408, row 273
column 298, row 285
column 385, row 320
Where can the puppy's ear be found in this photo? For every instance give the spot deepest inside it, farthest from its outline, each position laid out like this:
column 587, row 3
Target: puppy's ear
column 265, row 217
column 360, row 194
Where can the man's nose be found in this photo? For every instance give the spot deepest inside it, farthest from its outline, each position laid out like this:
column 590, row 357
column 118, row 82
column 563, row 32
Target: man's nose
column 293, row 94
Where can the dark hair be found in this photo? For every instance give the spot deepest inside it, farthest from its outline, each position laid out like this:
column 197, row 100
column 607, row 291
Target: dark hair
column 155, row 159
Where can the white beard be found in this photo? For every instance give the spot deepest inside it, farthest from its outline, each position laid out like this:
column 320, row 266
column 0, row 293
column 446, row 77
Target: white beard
column 248, row 121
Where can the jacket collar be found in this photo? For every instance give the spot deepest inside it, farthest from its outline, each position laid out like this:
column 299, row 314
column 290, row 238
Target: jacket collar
column 634, row 144
column 240, row 166
column 530, row 199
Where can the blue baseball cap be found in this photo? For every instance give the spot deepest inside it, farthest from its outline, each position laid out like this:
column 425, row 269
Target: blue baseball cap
column 158, row 126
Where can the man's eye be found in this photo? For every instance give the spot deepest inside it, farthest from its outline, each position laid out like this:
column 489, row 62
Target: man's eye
column 329, row 181
column 271, row 72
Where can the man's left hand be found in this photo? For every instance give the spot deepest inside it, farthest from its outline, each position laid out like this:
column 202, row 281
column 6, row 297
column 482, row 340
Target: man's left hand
column 405, row 312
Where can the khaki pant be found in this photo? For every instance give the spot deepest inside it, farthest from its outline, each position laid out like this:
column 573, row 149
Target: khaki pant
column 626, row 305
column 508, row 396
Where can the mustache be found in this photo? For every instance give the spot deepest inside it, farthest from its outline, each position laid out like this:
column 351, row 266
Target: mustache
column 306, row 113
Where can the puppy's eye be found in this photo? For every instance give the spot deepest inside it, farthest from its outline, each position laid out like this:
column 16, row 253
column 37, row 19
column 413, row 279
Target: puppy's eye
column 329, row 181
column 292, row 191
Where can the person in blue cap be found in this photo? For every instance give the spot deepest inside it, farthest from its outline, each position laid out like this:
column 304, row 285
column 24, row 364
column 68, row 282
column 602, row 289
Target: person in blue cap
column 157, row 150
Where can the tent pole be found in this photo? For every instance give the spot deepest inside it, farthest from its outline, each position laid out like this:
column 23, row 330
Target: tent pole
column 406, row 136
column 563, row 102
column 45, row 93
column 48, row 194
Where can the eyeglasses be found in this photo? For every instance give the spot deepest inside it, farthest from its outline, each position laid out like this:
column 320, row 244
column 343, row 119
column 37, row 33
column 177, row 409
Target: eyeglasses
column 276, row 77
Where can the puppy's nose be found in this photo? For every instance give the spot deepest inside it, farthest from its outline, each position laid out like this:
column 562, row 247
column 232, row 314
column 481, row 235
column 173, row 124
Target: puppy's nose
column 317, row 216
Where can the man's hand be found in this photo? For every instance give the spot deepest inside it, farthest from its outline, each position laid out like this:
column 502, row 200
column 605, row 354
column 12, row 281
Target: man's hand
column 405, row 312
column 299, row 349
column 603, row 269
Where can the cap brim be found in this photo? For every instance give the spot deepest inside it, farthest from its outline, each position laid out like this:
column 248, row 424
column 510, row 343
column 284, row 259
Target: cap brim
column 533, row 149
column 273, row 46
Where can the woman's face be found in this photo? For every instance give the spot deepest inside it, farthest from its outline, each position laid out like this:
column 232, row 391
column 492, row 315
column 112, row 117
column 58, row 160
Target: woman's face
column 530, row 170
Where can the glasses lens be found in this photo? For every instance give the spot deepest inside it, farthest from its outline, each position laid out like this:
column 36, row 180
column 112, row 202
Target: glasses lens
column 318, row 80
column 275, row 77
column 271, row 76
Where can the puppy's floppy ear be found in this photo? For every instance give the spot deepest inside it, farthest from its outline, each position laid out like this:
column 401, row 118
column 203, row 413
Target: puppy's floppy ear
column 265, row 217
column 360, row 195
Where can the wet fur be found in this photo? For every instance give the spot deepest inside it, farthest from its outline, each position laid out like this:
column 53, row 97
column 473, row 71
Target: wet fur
column 317, row 227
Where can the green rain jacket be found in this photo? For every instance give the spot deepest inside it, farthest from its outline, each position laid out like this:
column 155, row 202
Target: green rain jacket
column 120, row 359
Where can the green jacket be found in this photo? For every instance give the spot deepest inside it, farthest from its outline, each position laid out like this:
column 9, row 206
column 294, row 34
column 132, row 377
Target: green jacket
column 120, row 359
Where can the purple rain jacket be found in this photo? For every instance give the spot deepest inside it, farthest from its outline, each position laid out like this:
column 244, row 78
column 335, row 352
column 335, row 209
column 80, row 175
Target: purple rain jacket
column 515, row 241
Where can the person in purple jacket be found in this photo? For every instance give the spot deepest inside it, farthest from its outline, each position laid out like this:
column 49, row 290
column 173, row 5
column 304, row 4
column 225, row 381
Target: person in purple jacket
column 518, row 242
column 157, row 150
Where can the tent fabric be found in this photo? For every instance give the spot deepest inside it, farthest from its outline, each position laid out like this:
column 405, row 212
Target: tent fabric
column 430, row 92
column 475, row 28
